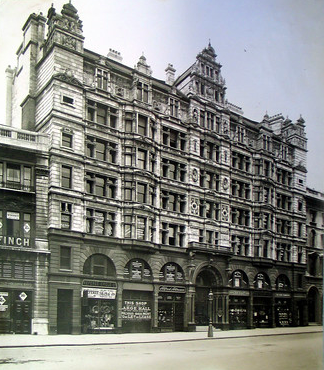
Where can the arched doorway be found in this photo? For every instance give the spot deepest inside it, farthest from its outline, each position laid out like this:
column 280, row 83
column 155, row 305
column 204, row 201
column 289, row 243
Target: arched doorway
column 206, row 280
column 313, row 305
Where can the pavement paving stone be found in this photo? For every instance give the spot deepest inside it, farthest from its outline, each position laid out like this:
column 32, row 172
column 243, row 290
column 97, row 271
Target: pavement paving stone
column 28, row 340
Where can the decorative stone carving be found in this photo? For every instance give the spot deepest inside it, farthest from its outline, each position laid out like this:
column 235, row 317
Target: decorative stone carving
column 195, row 175
column 225, row 213
column 69, row 41
column 194, row 206
column 225, row 183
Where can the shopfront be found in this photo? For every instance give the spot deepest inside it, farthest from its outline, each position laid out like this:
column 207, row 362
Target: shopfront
column 238, row 300
column 283, row 311
column 283, row 302
column 15, row 311
column 137, row 297
column 262, row 301
column 171, row 308
column 98, row 306
column 238, row 311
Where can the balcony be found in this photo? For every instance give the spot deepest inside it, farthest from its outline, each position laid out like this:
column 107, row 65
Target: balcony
column 12, row 185
column 23, row 139
column 209, row 248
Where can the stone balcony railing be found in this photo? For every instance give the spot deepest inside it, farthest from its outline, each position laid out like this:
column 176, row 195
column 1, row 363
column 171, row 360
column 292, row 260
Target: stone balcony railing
column 23, row 138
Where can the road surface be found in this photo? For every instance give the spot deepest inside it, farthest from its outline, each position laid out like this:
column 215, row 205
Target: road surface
column 278, row 352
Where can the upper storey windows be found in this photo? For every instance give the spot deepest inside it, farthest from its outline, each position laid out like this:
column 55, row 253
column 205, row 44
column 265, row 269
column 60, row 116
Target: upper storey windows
column 16, row 176
column 174, row 107
column 142, row 92
column 140, row 124
column 174, row 139
column 102, row 114
column 209, row 121
column 102, row 79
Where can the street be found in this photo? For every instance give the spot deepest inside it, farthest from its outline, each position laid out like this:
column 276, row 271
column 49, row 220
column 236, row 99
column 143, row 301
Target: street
column 277, row 352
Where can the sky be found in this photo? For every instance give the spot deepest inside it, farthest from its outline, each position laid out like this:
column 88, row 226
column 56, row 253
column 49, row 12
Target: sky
column 272, row 51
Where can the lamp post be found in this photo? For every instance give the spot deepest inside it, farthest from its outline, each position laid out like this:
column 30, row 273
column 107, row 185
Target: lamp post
column 210, row 304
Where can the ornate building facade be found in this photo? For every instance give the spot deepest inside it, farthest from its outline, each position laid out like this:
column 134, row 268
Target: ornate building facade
column 315, row 244
column 159, row 192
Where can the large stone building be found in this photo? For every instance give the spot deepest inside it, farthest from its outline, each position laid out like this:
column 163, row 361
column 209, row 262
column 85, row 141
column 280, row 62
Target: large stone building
column 315, row 244
column 159, row 192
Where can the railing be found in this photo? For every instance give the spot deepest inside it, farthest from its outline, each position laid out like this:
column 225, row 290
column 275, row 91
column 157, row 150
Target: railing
column 16, row 186
column 14, row 136
column 210, row 247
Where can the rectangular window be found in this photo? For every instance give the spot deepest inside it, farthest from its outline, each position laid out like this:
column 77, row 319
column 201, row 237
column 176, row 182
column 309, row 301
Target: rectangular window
column 99, row 223
column 27, row 180
column 102, row 79
column 65, row 258
column 128, row 190
column 141, row 228
column 174, row 107
column 142, row 92
column 128, row 157
column 67, row 177
column 141, row 159
column 128, row 122
column 13, row 173
column 100, row 186
column 128, row 227
column 142, row 125
column 141, row 193
column 100, row 150
column 67, row 139
column 67, row 100
column 66, row 215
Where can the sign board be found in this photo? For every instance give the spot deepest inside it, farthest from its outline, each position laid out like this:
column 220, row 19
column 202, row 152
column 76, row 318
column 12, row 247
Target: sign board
column 134, row 310
column 12, row 215
column 99, row 293
column 172, row 289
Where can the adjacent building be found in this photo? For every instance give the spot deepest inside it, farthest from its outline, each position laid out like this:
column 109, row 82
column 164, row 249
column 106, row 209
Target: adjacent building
column 24, row 254
column 162, row 195
column 315, row 244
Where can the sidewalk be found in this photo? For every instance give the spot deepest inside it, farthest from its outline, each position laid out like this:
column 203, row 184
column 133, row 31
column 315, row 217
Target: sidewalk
column 19, row 340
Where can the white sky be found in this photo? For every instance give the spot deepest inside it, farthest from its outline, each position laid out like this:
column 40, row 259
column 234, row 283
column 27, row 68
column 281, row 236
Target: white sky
column 272, row 51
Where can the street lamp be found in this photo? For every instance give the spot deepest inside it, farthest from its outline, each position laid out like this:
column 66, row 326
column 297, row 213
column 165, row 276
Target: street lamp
column 210, row 304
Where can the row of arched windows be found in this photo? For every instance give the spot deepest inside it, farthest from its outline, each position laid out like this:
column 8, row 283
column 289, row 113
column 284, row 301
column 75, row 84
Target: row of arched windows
column 138, row 269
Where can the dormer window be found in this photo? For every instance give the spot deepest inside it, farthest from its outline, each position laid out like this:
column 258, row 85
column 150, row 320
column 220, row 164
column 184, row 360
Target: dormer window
column 174, row 107
column 102, row 79
column 142, row 92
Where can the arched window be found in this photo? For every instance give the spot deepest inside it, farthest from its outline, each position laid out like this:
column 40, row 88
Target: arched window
column 239, row 279
column 99, row 264
column 137, row 269
column 171, row 273
column 261, row 281
column 282, row 282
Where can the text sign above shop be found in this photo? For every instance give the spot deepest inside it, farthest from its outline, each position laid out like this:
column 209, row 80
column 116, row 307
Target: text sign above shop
column 136, row 310
column 99, row 293
column 172, row 289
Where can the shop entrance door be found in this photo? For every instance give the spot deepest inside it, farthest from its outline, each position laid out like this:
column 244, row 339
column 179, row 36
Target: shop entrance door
column 22, row 317
column 201, row 306
column 261, row 312
column 178, row 316
column 64, row 311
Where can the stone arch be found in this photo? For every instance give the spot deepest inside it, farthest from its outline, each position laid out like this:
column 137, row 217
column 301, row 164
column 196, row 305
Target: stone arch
column 262, row 281
column 99, row 264
column 239, row 279
column 212, row 271
column 314, row 303
column 172, row 272
column 137, row 269
column 282, row 282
